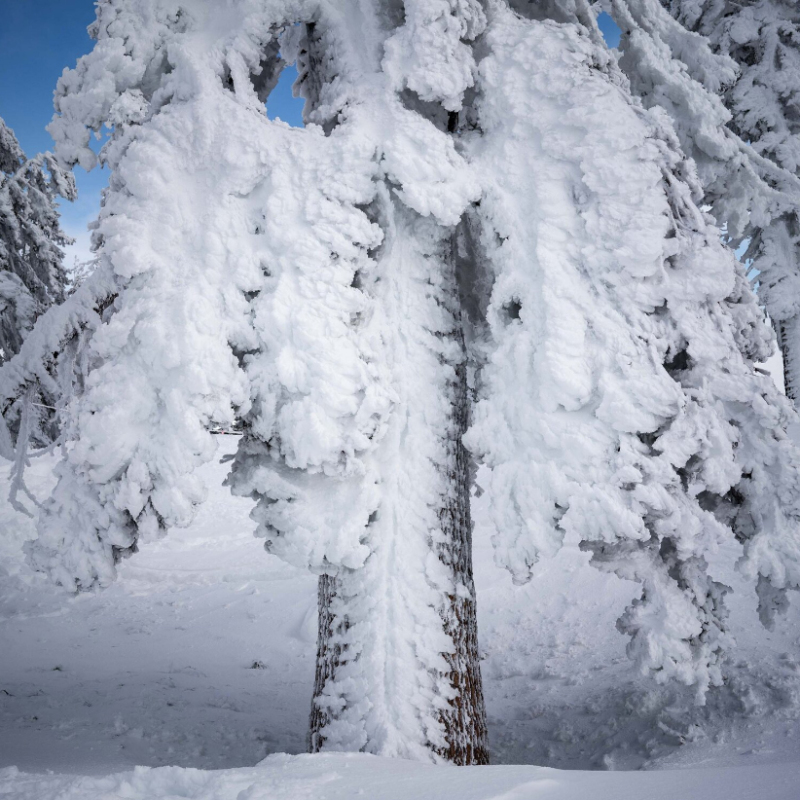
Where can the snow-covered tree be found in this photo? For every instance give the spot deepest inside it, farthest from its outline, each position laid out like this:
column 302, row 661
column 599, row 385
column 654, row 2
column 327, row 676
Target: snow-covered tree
column 32, row 276
column 479, row 221
column 32, row 279
column 304, row 280
column 763, row 39
column 728, row 73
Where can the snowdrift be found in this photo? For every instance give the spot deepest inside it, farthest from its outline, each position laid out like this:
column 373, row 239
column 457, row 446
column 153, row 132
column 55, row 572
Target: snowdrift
column 329, row 776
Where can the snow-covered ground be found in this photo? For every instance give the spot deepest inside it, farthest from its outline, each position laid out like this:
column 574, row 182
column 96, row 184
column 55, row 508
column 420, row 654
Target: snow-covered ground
column 202, row 654
column 354, row 775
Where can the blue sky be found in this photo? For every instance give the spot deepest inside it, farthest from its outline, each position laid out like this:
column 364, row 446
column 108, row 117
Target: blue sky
column 38, row 39
column 609, row 29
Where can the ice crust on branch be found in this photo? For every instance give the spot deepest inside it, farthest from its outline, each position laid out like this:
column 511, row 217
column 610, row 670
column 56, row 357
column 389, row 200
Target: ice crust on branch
column 680, row 71
column 762, row 37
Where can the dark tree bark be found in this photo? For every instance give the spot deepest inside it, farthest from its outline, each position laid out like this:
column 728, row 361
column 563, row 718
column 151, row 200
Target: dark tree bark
column 789, row 343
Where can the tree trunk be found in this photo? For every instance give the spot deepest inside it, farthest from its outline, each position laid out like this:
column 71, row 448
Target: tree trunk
column 789, row 342
column 398, row 669
column 465, row 719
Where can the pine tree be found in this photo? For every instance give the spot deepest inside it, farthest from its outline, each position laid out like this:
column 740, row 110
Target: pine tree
column 742, row 60
column 481, row 238
column 32, row 276
column 386, row 518
column 304, row 280
column 763, row 39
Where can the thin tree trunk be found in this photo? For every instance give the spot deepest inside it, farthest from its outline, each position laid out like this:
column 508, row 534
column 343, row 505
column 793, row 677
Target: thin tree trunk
column 789, row 342
column 328, row 655
column 465, row 719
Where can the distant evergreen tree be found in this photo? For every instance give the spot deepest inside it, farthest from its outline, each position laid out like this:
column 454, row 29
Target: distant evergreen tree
column 32, row 275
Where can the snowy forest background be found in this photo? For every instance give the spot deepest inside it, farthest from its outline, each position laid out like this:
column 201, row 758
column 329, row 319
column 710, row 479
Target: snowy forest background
column 491, row 335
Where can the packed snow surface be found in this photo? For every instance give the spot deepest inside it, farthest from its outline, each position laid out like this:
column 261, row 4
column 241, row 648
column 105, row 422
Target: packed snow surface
column 334, row 776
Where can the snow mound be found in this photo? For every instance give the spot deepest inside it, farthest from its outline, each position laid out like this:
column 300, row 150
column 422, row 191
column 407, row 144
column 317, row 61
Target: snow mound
column 283, row 777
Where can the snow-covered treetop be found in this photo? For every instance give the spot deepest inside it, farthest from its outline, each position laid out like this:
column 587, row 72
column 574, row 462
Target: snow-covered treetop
column 11, row 155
